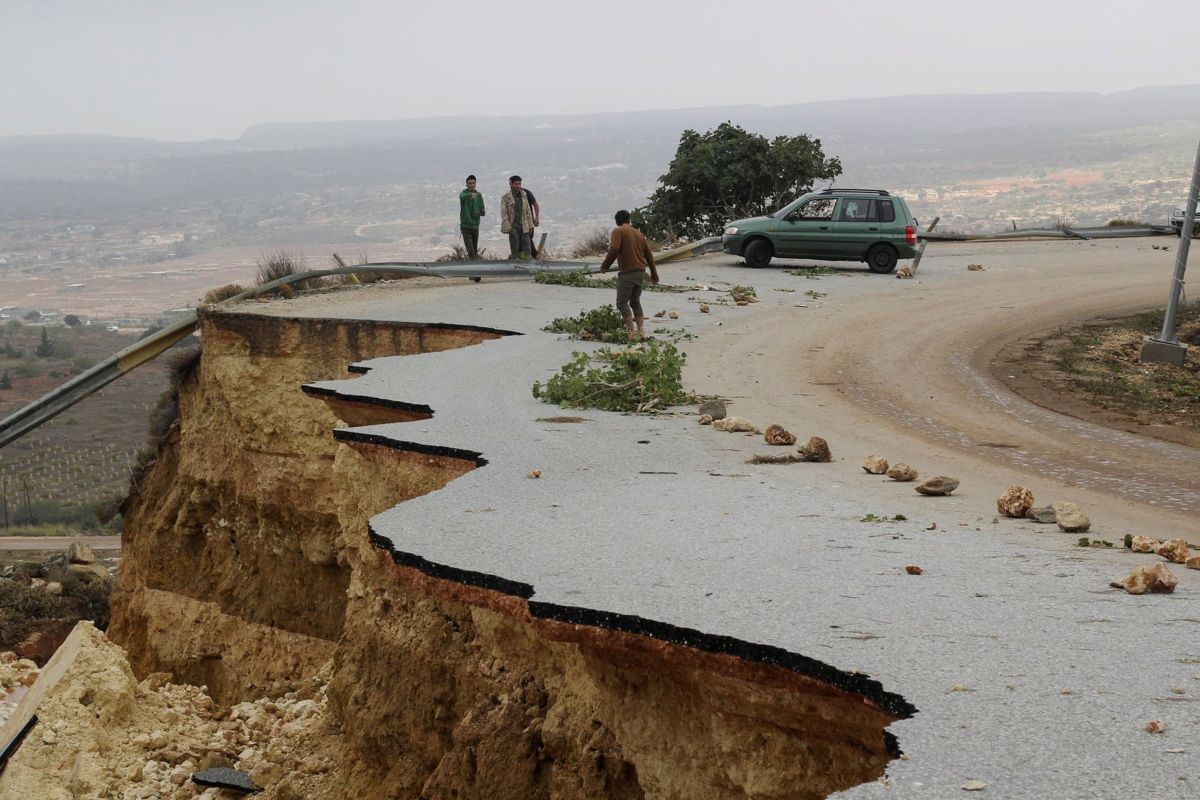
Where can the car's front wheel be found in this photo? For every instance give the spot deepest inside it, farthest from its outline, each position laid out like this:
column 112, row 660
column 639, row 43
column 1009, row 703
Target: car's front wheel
column 881, row 259
column 758, row 253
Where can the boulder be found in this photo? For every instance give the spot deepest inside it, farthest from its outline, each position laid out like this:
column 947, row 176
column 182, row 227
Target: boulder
column 876, row 465
column 1070, row 518
column 31, row 568
column 54, row 588
column 80, row 553
column 938, row 486
column 713, row 408
column 88, row 572
column 902, row 472
column 53, row 562
column 705, row 419
column 1173, row 550
column 1015, row 502
column 775, row 434
column 1042, row 514
column 1144, row 544
column 816, row 449
column 1145, row 579
column 1192, row 563
column 734, row 425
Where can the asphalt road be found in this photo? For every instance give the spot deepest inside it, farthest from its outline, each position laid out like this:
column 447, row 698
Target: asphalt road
column 28, row 543
column 1030, row 673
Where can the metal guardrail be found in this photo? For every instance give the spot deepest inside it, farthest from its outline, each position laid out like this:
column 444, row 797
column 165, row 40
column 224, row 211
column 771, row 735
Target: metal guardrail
column 1053, row 233
column 89, row 382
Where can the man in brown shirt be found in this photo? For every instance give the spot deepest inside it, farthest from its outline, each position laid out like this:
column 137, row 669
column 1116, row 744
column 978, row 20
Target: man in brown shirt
column 629, row 249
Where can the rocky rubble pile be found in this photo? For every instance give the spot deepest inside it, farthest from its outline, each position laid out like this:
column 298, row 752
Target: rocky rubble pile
column 101, row 733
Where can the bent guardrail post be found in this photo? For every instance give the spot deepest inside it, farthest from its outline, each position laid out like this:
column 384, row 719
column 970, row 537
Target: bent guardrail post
column 924, row 243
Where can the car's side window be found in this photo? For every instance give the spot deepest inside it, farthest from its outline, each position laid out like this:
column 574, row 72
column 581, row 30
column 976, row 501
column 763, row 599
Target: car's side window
column 820, row 208
column 887, row 212
column 856, row 209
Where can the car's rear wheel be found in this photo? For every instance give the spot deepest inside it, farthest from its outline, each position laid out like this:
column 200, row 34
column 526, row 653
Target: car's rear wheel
column 758, row 253
column 881, row 259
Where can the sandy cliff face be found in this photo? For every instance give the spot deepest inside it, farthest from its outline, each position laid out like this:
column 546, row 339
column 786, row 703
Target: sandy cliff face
column 248, row 565
column 231, row 574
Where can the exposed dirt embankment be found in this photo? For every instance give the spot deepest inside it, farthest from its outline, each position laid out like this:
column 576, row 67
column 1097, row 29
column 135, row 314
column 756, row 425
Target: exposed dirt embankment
column 231, row 574
column 248, row 558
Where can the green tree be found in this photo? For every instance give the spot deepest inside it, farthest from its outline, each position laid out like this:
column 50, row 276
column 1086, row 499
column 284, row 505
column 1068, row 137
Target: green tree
column 729, row 173
column 46, row 348
column 72, row 321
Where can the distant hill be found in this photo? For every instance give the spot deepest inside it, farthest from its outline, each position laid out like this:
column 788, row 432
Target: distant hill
column 928, row 145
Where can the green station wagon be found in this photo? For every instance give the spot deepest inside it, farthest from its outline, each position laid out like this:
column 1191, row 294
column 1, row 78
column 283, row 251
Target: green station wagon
column 868, row 225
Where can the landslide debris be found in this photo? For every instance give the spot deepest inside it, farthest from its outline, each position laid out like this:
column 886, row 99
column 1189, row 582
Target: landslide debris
column 103, row 733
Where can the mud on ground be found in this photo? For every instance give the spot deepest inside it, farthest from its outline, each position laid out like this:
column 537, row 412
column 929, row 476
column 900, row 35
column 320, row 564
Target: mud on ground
column 1093, row 371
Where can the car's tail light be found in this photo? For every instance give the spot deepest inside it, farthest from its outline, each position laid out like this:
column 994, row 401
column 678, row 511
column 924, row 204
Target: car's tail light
column 910, row 235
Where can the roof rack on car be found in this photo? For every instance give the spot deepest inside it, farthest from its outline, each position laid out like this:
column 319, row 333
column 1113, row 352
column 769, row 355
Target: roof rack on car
column 880, row 192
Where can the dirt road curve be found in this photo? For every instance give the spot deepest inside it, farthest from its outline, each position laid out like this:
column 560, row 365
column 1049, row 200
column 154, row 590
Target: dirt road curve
column 904, row 368
column 14, row 543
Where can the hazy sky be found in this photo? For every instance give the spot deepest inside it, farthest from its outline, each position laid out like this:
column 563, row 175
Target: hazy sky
column 210, row 68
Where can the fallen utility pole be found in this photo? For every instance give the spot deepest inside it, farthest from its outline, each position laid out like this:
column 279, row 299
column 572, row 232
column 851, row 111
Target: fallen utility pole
column 1166, row 348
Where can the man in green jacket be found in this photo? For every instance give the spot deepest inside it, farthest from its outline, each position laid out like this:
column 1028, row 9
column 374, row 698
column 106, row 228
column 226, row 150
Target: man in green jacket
column 470, row 209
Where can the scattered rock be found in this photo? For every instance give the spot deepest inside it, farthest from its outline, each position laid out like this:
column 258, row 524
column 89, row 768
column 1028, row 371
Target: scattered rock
column 1156, row 726
column 735, row 425
column 714, row 408
column 931, row 526
column 974, row 786
column 1070, row 518
column 1016, row 502
column 535, row 473
column 673, row 314
column 662, row 313
column 776, row 434
column 1192, row 563
column 705, row 419
column 905, row 272
column 938, row 486
column 54, row 588
column 902, row 472
column 1173, row 550
column 1143, row 579
column 816, row 449
column 976, row 267
column 1042, row 514
column 704, row 308
column 876, row 465
column 1144, row 544
column 913, row 569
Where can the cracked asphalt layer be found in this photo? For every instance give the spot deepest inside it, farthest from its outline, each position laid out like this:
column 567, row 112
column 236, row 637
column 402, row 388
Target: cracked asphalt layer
column 1030, row 674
